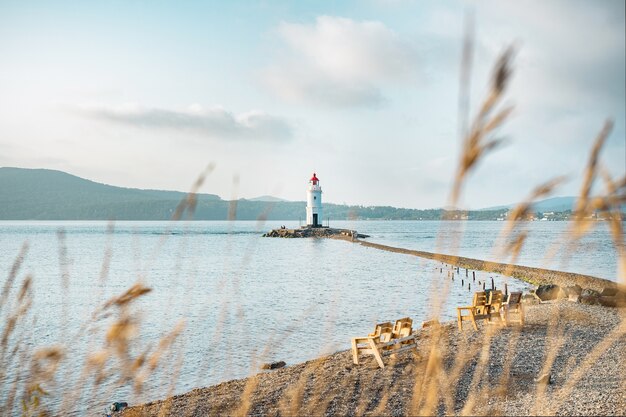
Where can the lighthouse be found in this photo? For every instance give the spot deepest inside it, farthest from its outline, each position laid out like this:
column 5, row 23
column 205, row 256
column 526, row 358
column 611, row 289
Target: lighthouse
column 314, row 203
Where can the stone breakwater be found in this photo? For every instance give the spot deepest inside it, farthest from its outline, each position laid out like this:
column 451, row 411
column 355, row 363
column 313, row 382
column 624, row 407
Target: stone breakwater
column 535, row 276
column 316, row 232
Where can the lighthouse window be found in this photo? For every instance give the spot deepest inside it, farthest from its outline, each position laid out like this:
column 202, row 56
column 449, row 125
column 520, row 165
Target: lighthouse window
column 314, row 197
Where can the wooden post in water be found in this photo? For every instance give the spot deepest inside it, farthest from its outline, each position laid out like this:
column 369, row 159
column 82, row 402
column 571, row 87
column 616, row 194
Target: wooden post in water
column 462, row 283
column 506, row 289
column 473, row 275
column 483, row 286
column 469, row 286
column 493, row 287
column 466, row 272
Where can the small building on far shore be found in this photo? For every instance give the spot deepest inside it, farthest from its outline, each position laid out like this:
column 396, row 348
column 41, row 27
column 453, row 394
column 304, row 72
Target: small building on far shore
column 314, row 203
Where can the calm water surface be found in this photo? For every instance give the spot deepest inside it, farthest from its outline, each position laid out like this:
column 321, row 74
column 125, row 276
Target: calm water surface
column 243, row 299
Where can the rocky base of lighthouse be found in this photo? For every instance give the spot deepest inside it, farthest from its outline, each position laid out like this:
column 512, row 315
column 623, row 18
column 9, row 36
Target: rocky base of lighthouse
column 315, row 232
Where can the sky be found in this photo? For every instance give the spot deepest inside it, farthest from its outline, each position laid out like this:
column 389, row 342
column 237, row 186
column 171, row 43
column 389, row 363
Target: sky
column 146, row 94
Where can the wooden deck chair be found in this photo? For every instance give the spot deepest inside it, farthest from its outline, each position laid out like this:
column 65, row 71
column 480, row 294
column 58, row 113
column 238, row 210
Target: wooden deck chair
column 383, row 341
column 513, row 305
column 479, row 310
column 402, row 329
column 494, row 306
column 384, row 331
column 370, row 345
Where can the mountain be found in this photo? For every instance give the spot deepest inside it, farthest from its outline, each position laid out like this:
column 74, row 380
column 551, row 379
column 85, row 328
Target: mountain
column 266, row 198
column 550, row 204
column 43, row 194
column 555, row 204
column 54, row 195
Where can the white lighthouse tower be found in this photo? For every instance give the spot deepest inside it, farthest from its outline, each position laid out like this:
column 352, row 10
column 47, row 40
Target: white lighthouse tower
column 314, row 203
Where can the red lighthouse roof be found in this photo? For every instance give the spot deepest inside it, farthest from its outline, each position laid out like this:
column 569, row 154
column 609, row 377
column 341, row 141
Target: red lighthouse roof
column 314, row 178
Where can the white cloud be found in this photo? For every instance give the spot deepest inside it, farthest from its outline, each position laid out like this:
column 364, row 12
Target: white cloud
column 341, row 62
column 568, row 54
column 213, row 122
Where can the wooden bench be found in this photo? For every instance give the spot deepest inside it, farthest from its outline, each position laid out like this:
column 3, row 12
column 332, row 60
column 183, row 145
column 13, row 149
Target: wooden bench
column 484, row 307
column 386, row 339
column 513, row 306
column 496, row 301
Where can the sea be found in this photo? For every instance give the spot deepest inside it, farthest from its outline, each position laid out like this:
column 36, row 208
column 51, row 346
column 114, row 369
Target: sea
column 223, row 299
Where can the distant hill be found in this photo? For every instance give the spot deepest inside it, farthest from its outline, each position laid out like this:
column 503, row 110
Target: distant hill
column 555, row 204
column 27, row 194
column 267, row 198
column 550, row 204
column 43, row 194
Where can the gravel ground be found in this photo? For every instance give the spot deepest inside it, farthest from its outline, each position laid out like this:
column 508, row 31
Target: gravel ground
column 579, row 349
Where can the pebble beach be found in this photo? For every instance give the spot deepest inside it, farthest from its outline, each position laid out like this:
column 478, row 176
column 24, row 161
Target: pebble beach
column 567, row 359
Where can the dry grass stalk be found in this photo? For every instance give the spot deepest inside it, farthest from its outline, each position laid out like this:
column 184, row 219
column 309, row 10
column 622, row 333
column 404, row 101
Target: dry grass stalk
column 131, row 294
column 24, row 302
column 475, row 394
column 12, row 350
column 584, row 209
column 232, row 205
column 611, row 203
column 291, row 401
column 425, row 387
column 608, row 204
column 563, row 393
column 555, row 335
column 106, row 260
column 64, row 261
column 17, row 264
column 505, row 377
column 523, row 210
column 188, row 205
column 591, row 170
column 479, row 141
column 465, row 74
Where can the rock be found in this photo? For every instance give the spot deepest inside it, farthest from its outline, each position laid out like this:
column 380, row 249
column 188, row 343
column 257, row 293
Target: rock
column 573, row 293
column 589, row 296
column 609, row 292
column 530, row 299
column 431, row 323
column 617, row 299
column 548, row 292
column 118, row 406
column 273, row 365
column 589, row 292
column 608, row 301
column 544, row 379
column 574, row 289
column 574, row 298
